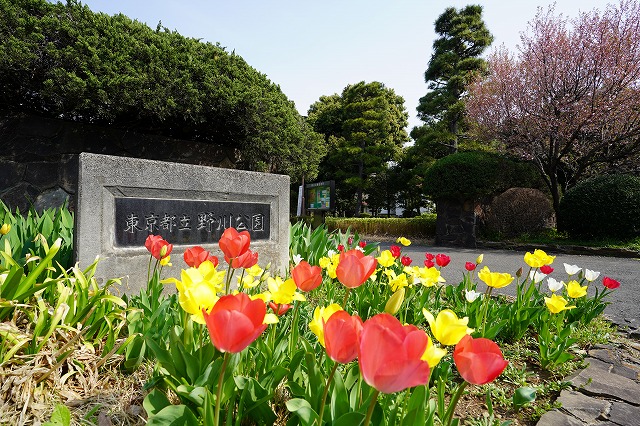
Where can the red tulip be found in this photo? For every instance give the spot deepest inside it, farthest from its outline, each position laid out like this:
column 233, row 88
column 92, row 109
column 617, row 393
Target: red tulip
column 390, row 354
column 354, row 268
column 194, row 256
column 340, row 248
column 306, row 277
column 429, row 256
column 158, row 247
column 395, row 251
column 479, row 361
column 442, row 260
column 610, row 283
column 234, row 243
column 546, row 269
column 469, row 266
column 406, row 260
column 341, row 336
column 429, row 263
column 245, row 260
column 279, row 309
column 235, row 321
column 349, row 241
column 362, row 244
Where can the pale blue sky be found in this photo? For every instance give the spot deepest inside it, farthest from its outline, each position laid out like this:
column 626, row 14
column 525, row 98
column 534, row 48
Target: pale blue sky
column 317, row 48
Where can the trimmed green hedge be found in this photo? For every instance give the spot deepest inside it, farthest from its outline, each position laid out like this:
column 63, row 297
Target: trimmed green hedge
column 473, row 175
column 422, row 226
column 604, row 206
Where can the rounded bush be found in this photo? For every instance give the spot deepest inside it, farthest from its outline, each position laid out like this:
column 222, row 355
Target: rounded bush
column 474, row 175
column 604, row 206
column 520, row 210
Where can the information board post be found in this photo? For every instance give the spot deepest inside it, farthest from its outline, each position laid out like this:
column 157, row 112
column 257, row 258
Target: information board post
column 319, row 198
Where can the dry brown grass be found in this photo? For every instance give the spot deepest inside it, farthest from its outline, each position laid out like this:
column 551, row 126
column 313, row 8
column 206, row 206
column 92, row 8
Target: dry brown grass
column 93, row 388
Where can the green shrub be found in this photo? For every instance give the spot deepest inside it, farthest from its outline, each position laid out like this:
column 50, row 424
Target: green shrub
column 422, row 226
column 604, row 206
column 475, row 175
column 520, row 210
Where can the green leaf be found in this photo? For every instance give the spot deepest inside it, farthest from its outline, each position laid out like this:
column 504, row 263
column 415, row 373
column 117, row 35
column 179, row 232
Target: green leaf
column 61, row 416
column 173, row 415
column 350, row 419
column 155, row 401
column 523, row 395
column 303, row 410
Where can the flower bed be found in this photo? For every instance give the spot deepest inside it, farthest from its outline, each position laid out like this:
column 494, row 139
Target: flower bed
column 349, row 335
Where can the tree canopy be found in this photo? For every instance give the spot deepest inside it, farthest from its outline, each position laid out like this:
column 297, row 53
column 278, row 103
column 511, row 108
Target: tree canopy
column 65, row 61
column 569, row 100
column 455, row 62
column 365, row 129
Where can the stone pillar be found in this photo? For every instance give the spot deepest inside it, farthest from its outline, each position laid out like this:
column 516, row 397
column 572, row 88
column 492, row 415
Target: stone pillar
column 455, row 223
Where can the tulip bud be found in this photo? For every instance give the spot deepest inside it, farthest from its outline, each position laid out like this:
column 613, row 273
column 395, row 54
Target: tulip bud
column 266, row 268
column 4, row 230
column 479, row 259
column 519, row 272
column 395, row 302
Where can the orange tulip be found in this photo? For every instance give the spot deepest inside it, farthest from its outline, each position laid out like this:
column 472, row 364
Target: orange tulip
column 235, row 321
column 245, row 260
column 194, row 256
column 341, row 336
column 354, row 268
column 479, row 361
column 390, row 354
column 158, row 247
column 234, row 243
column 306, row 277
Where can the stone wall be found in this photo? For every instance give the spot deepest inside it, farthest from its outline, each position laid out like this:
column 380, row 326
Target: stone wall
column 456, row 223
column 39, row 156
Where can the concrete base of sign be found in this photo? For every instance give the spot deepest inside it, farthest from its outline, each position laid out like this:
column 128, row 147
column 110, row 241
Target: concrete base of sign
column 103, row 180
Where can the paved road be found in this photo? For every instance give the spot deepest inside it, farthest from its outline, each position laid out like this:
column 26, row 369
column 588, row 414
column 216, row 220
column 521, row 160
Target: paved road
column 625, row 301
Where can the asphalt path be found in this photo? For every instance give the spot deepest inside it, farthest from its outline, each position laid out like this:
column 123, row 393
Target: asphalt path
column 623, row 310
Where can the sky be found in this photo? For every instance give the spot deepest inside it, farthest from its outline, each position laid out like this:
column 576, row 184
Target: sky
column 316, row 48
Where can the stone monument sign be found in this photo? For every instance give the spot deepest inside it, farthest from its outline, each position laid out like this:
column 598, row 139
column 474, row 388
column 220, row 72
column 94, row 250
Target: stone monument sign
column 122, row 200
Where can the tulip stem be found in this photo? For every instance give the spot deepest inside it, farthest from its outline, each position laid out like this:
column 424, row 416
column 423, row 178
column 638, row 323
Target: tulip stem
column 229, row 274
column 346, row 296
column 374, row 399
column 293, row 338
column 486, row 308
column 216, row 415
column 326, row 391
column 452, row 404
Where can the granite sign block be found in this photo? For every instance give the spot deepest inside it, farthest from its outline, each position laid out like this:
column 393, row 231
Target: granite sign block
column 122, row 200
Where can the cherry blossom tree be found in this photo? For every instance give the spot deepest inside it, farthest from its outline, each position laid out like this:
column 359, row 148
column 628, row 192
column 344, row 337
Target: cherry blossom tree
column 569, row 100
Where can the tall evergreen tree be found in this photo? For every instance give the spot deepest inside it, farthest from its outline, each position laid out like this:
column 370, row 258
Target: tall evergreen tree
column 365, row 129
column 455, row 62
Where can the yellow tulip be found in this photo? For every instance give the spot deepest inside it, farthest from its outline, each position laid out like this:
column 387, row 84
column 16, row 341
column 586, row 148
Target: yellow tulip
column 495, row 279
column 405, row 242
column 447, row 328
column 324, row 262
column 321, row 314
column 575, row 290
column 386, row 259
column 538, row 258
column 556, row 304
column 396, row 282
column 479, row 259
column 428, row 277
column 4, row 230
column 395, row 302
column 283, row 292
column 198, row 289
column 433, row 354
